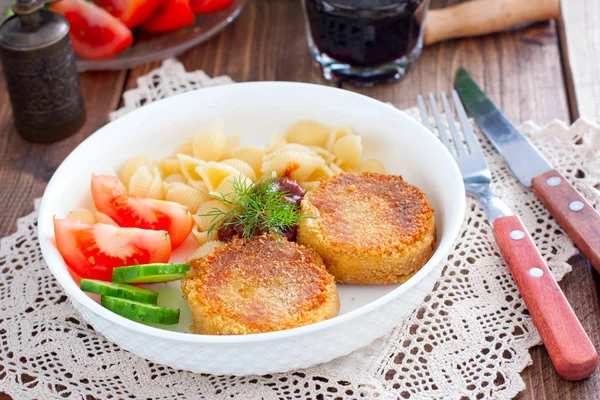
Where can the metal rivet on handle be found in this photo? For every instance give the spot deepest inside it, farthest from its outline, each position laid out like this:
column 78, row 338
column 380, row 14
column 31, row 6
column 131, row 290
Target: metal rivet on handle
column 553, row 181
column 517, row 235
column 536, row 272
column 576, row 206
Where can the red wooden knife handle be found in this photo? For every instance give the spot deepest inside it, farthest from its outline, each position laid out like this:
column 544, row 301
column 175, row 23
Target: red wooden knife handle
column 574, row 215
column 568, row 345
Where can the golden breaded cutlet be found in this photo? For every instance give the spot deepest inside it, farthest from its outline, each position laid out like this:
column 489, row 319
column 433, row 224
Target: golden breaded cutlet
column 259, row 285
column 369, row 228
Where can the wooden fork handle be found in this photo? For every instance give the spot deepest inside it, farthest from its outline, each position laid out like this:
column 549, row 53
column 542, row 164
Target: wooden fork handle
column 480, row 17
column 569, row 347
column 572, row 212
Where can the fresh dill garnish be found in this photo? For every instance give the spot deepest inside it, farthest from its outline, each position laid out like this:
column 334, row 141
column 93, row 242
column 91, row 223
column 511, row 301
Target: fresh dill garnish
column 258, row 207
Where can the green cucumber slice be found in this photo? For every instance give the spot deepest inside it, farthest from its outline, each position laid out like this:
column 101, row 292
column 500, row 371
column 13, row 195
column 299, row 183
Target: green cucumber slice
column 119, row 290
column 141, row 312
column 150, row 273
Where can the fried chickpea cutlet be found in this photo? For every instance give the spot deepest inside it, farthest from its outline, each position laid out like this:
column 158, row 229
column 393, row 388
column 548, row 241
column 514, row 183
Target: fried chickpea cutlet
column 259, row 285
column 369, row 228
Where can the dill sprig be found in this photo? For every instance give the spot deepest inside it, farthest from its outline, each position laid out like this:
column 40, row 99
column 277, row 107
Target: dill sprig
column 258, row 207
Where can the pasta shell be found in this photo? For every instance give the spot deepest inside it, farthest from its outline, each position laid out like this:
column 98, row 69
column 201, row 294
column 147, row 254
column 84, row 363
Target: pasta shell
column 186, row 148
column 335, row 169
column 170, row 166
column 130, row 166
column 251, row 155
column 325, row 154
column 203, row 221
column 276, row 141
column 231, row 143
column 225, row 188
column 187, row 196
column 322, row 171
column 156, row 190
column 372, row 165
column 348, row 150
column 309, row 185
column 210, row 145
column 336, row 134
column 309, row 133
column 188, row 167
column 213, row 173
column 241, row 166
column 82, row 215
column 204, row 249
column 175, row 178
column 102, row 218
column 203, row 237
column 299, row 165
column 140, row 181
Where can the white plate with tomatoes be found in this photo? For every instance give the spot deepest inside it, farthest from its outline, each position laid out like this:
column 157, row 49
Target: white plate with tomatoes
column 119, row 34
column 367, row 312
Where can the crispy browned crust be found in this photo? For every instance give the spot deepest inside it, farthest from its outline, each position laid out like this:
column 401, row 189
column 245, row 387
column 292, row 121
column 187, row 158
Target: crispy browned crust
column 369, row 228
column 259, row 285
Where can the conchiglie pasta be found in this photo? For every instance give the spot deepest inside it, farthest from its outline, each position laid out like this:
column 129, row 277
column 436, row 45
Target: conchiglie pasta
column 210, row 145
column 187, row 196
column 204, row 249
column 226, row 187
column 102, row 218
column 203, row 237
column 322, row 171
column 251, row 155
column 170, row 166
column 309, row 133
column 156, row 190
column 231, row 143
column 372, row 165
column 276, row 141
column 213, row 173
column 186, row 148
column 140, row 181
column 204, row 221
column 82, row 215
column 300, row 164
column 309, row 185
column 336, row 134
column 348, row 150
column 188, row 167
column 243, row 167
column 130, row 166
column 175, row 178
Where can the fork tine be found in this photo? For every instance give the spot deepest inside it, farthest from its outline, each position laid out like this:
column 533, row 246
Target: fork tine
column 424, row 114
column 439, row 124
column 458, row 142
column 465, row 124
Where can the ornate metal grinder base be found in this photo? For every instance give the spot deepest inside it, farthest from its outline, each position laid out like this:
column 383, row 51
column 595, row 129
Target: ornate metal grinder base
column 39, row 67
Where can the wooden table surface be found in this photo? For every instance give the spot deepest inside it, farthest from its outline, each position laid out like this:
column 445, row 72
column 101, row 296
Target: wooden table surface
column 541, row 72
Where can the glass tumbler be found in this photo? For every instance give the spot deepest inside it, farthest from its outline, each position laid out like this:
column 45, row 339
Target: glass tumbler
column 365, row 42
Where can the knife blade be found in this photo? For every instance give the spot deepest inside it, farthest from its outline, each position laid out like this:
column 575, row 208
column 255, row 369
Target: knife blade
column 522, row 158
column 572, row 212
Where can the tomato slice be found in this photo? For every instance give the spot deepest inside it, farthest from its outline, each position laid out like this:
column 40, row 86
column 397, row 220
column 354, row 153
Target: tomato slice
column 171, row 15
column 92, row 251
column 94, row 32
column 209, row 6
column 131, row 12
column 128, row 210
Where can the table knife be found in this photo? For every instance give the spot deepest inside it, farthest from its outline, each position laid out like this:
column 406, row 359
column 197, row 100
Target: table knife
column 572, row 212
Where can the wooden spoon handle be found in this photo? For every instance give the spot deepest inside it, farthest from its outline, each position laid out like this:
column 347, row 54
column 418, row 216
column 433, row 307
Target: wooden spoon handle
column 481, row 17
column 572, row 212
column 569, row 347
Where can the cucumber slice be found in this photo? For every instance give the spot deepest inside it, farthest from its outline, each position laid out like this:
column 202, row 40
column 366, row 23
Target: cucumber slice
column 150, row 273
column 120, row 290
column 141, row 312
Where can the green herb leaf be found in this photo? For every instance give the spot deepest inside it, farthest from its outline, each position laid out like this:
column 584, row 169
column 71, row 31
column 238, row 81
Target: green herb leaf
column 257, row 206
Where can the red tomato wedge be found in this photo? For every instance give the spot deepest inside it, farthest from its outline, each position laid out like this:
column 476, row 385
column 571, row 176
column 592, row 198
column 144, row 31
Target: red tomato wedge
column 92, row 251
column 170, row 15
column 95, row 34
column 209, row 6
column 131, row 12
column 131, row 211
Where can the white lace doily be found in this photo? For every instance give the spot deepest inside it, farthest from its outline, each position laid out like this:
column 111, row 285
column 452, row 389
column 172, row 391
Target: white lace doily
column 469, row 339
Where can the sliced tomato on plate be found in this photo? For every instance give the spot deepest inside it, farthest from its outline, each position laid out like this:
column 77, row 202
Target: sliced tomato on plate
column 95, row 34
column 131, row 12
column 92, row 251
column 170, row 15
column 128, row 210
column 209, row 6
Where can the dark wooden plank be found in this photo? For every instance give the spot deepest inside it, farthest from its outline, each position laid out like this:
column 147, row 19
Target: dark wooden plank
column 25, row 168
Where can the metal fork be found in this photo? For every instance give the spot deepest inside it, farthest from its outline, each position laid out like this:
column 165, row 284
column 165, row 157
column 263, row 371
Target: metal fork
column 568, row 345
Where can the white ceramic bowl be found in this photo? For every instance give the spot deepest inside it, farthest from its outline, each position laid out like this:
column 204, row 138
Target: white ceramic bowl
column 256, row 111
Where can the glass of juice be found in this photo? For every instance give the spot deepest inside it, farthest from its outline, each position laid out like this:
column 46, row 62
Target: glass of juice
column 365, row 41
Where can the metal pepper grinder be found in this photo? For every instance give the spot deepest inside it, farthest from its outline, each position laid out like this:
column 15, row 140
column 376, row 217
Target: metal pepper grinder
column 40, row 72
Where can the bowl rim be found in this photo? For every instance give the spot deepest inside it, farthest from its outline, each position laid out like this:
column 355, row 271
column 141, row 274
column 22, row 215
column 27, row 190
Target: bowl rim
column 52, row 257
